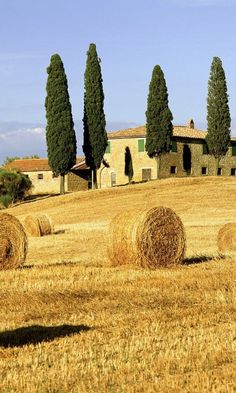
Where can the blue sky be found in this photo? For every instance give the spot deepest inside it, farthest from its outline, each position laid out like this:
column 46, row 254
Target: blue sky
column 132, row 36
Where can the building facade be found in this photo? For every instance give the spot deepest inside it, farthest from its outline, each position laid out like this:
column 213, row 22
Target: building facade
column 188, row 157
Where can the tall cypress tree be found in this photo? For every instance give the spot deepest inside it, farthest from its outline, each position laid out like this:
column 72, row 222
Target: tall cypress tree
column 60, row 134
column 128, row 164
column 158, row 118
column 95, row 136
column 218, row 115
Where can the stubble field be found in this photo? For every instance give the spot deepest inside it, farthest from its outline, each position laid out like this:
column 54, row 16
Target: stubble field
column 72, row 323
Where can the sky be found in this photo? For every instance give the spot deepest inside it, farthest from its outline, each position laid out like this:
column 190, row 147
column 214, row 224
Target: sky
column 132, row 36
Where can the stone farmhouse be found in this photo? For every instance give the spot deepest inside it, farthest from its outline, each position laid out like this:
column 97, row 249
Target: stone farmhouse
column 188, row 157
column 45, row 181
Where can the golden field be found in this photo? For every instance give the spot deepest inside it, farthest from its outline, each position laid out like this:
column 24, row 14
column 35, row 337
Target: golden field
column 71, row 323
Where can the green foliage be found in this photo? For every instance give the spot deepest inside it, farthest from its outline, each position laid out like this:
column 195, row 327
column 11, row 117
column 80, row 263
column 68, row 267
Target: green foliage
column 218, row 115
column 14, row 186
column 60, row 134
column 158, row 115
column 95, row 136
column 8, row 160
column 5, row 200
column 128, row 164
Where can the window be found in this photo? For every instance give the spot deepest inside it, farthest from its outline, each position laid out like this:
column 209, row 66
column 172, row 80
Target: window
column 108, row 148
column 219, row 172
column 233, row 172
column 140, row 145
column 40, row 176
column 204, row 170
column 173, row 169
column 174, row 146
column 146, row 174
column 233, row 150
column 205, row 149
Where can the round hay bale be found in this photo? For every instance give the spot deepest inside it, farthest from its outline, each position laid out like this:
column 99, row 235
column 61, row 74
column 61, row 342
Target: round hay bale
column 226, row 238
column 38, row 225
column 13, row 242
column 148, row 238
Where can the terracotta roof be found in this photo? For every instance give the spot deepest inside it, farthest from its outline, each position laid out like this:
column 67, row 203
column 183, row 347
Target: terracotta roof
column 139, row 132
column 178, row 131
column 80, row 166
column 33, row 164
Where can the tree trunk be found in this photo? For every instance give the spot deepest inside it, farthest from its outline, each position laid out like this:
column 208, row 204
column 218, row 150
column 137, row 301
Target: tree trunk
column 158, row 160
column 217, row 161
column 94, row 179
column 62, row 184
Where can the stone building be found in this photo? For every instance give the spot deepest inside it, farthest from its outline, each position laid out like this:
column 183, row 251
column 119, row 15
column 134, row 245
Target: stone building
column 45, row 181
column 188, row 157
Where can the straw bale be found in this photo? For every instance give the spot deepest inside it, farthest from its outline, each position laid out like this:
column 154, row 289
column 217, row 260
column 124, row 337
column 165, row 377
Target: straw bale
column 13, row 242
column 226, row 239
column 148, row 238
column 38, row 225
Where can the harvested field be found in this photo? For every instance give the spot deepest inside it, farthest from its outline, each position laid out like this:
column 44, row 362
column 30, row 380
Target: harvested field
column 71, row 323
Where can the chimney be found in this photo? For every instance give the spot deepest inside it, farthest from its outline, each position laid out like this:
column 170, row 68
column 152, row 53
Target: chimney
column 191, row 123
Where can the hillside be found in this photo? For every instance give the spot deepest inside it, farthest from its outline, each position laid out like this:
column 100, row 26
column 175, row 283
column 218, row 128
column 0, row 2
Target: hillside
column 70, row 323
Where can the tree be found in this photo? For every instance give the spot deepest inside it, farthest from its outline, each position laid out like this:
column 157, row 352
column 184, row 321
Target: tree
column 14, row 186
column 95, row 136
column 60, row 134
column 218, row 115
column 158, row 118
column 128, row 164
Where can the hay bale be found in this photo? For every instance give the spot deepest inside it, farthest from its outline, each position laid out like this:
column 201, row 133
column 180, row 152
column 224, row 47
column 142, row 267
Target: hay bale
column 148, row 238
column 39, row 225
column 13, row 242
column 226, row 238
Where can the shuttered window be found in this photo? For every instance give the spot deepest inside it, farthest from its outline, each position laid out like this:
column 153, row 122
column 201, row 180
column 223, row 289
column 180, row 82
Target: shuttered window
column 174, row 146
column 234, row 150
column 205, row 149
column 108, row 148
column 140, row 145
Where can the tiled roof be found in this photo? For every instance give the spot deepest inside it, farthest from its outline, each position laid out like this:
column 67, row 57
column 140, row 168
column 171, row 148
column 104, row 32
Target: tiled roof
column 139, row 132
column 178, row 131
column 33, row 164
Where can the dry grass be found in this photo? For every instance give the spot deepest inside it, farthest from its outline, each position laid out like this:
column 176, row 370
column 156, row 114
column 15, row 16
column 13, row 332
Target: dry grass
column 69, row 323
column 147, row 237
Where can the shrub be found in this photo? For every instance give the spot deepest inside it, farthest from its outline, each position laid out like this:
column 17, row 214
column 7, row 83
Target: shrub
column 14, row 186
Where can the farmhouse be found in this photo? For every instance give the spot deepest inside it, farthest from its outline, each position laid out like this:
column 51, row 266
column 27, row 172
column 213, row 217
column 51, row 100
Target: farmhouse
column 45, row 181
column 188, row 156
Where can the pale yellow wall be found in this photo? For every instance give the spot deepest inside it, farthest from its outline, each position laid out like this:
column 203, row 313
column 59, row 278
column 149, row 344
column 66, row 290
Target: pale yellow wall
column 116, row 160
column 47, row 185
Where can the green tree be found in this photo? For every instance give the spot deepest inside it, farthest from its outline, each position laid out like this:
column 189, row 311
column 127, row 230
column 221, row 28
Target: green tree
column 218, row 115
column 14, row 186
column 158, row 118
column 128, row 164
column 60, row 134
column 95, row 136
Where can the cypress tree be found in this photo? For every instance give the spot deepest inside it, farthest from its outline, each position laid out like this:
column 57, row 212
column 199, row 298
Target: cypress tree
column 158, row 118
column 128, row 164
column 60, row 134
column 95, row 136
column 218, row 115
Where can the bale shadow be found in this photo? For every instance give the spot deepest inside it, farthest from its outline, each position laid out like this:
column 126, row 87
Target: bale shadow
column 59, row 232
column 202, row 259
column 36, row 334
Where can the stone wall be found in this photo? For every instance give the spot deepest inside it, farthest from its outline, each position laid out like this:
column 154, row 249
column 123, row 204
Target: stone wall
column 78, row 181
column 45, row 183
column 172, row 164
